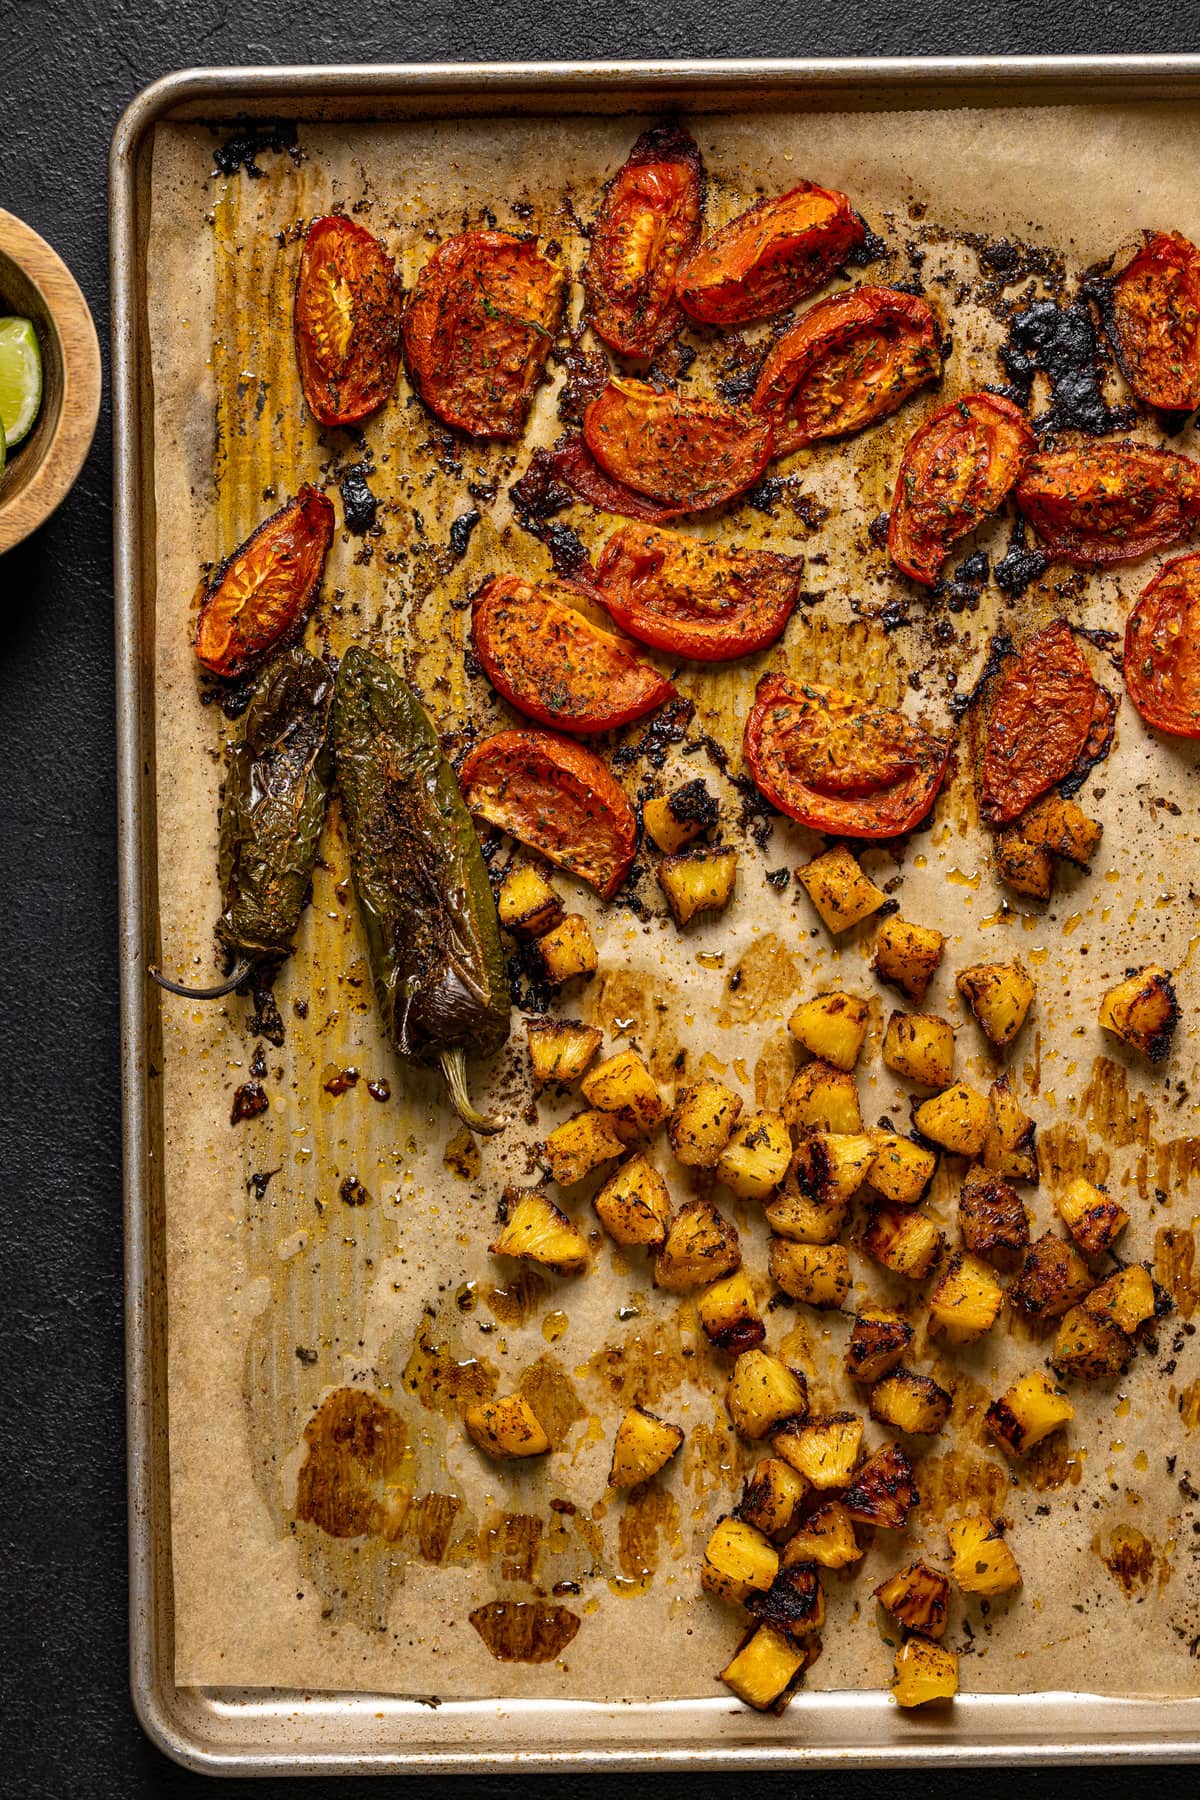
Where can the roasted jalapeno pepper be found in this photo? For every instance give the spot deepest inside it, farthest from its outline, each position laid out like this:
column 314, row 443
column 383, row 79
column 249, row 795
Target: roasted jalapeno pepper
column 419, row 874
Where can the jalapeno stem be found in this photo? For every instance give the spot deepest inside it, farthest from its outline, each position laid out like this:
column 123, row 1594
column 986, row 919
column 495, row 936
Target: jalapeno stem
column 241, row 969
column 454, row 1068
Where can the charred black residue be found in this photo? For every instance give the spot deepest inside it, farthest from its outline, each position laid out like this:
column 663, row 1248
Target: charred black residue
column 666, row 728
column 460, row 532
column 1020, row 566
column 774, row 491
column 872, row 247
column 967, row 583
column 1060, row 342
column 248, row 1101
column 261, row 1180
column 266, row 1020
column 778, row 878
column 737, row 376
column 1098, row 742
column 877, row 530
column 693, row 804
column 536, row 498
column 1005, row 262
column 1001, row 647
column 673, row 362
column 250, row 141
column 587, row 376
column 359, row 504
column 531, row 993
column 353, row 1192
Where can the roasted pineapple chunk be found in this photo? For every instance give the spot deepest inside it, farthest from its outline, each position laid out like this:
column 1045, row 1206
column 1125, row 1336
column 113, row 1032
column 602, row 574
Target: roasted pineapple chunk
column 826, row 1537
column 535, row 1229
column 982, row 1561
column 506, row 1427
column 992, row 1217
column 966, row 1301
column 702, row 1123
column 900, row 1169
column 1093, row 1220
column 764, row 1669
column 1053, row 1277
column 839, row 890
column 527, row 904
column 580, row 1145
column 771, row 1497
column 1143, row 1011
column 877, row 1343
column 920, row 1047
column 832, row 1027
column 673, row 820
column 643, row 1445
column 826, row 1172
column 794, row 1603
column 907, row 956
column 917, row 1597
column 701, row 1245
column 1026, row 1413
column 793, row 1214
column 634, row 1205
column 560, row 1049
column 730, row 1316
column 903, row 1240
column 698, row 881
column 1010, row 1147
column 825, row 1451
column 756, row 1158
column 1089, row 1348
column 762, row 1391
column 911, row 1403
column 957, row 1119
column 737, row 1560
column 822, row 1098
column 883, row 1492
column 817, row 1274
column 1126, row 1299
column 622, row 1084
column 1062, row 828
column 924, row 1672
column 1000, row 995
column 566, row 951
column 1024, row 867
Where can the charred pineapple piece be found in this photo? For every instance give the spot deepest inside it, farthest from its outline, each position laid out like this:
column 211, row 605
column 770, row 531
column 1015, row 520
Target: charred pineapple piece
column 1010, row 1146
column 1000, row 995
column 673, row 820
column 1126, row 1299
column 883, row 1492
column 1024, row 867
column 701, row 1245
column 832, row 1027
column 623, row 1085
column 698, row 881
column 1089, row 1348
column 826, row 1537
column 528, row 906
column 877, row 1343
column 825, row 1451
column 560, row 1050
column 903, row 1240
column 535, row 1229
column 702, row 1123
column 992, row 1217
column 957, row 1119
column 738, row 1560
column 580, row 1145
column 1026, row 1413
column 841, row 893
column 771, row 1497
column 918, row 1598
column 822, row 1098
column 764, row 1669
column 643, row 1445
column 729, row 1314
column 982, row 1561
column 911, row 1403
column 826, row 1172
column 924, row 1672
column 1053, row 1277
column 907, row 956
column 816, row 1274
column 966, row 1301
column 900, row 1170
column 634, row 1205
column 762, row 1391
column 506, row 1427
column 794, row 1603
column 1093, row 1220
column 566, row 951
column 756, row 1158
column 1143, row 1011
column 1060, row 827
column 920, row 1047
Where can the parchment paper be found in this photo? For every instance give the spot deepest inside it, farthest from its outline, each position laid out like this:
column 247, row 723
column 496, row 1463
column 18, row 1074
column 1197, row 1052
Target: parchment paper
column 290, row 1308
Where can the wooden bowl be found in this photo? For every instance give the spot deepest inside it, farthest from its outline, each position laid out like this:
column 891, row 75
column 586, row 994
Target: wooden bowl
column 36, row 284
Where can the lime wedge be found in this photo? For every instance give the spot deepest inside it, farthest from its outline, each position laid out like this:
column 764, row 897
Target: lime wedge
column 3, row 452
column 20, row 378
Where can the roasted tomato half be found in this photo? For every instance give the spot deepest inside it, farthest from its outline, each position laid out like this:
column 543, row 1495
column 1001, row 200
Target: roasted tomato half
column 346, row 322
column 956, row 469
column 558, row 798
column 690, row 454
column 260, row 596
column 695, row 599
column 572, row 463
column 846, row 362
column 770, row 256
column 1152, row 312
column 1162, row 650
column 838, row 764
column 1109, row 503
column 648, row 224
column 478, row 330
column 1040, row 722
column 552, row 664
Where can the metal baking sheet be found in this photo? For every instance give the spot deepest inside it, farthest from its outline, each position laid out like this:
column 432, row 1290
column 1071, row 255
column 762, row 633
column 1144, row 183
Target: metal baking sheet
column 272, row 1730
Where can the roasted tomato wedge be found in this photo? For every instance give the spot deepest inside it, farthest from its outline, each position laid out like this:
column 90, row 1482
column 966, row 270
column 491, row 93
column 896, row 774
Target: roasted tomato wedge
column 260, row 596
column 478, row 330
column 552, row 664
column 1040, row 722
column 1162, row 650
column 572, row 463
column 770, row 256
column 1110, row 503
column 648, row 224
column 684, row 453
column 846, row 362
column 956, row 469
column 557, row 797
column 838, row 764
column 695, row 599
column 1151, row 309
column 346, row 321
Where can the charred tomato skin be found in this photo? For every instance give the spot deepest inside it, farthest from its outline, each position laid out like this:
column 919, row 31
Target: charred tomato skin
column 546, row 659
column 346, row 321
column 1151, row 310
column 693, row 599
column 261, row 595
column 957, row 468
column 1101, row 504
column 648, row 224
column 1162, row 650
column 846, row 363
column 1040, row 723
column 678, row 452
column 838, row 764
column 770, row 256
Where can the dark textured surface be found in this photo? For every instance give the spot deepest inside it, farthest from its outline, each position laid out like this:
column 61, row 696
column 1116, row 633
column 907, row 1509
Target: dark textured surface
column 66, row 71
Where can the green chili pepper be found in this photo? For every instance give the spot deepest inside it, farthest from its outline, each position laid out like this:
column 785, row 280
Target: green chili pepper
column 432, row 934
column 272, row 810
